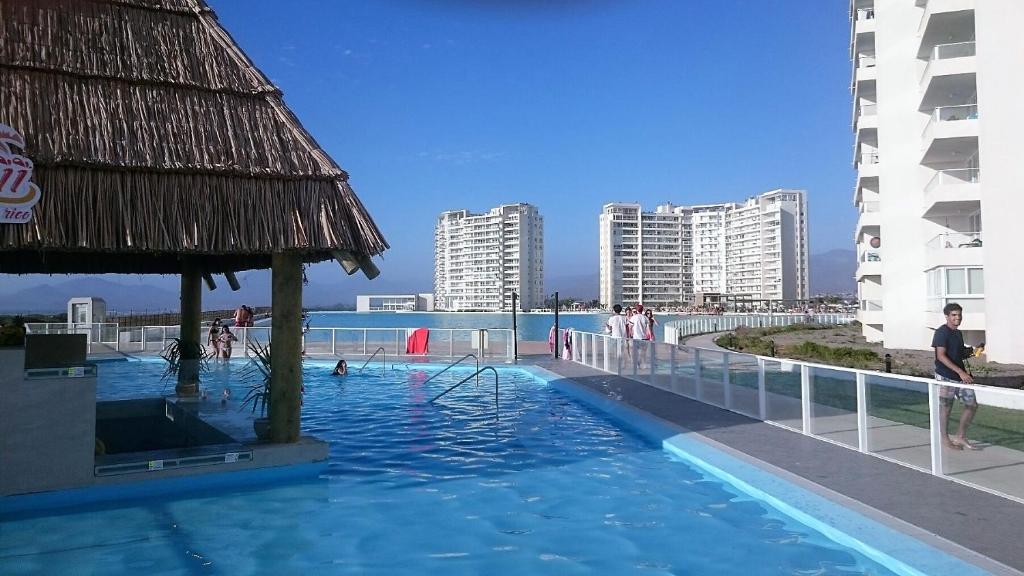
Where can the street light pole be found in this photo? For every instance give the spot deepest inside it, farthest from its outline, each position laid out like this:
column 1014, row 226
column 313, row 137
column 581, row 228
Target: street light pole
column 556, row 324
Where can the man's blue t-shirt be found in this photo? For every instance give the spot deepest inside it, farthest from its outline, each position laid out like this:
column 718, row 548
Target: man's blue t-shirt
column 953, row 342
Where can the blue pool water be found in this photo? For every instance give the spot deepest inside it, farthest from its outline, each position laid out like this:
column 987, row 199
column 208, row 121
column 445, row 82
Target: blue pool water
column 550, row 486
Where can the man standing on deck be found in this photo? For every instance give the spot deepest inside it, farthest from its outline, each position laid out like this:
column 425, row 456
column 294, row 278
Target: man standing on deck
column 616, row 328
column 950, row 352
column 641, row 330
column 616, row 325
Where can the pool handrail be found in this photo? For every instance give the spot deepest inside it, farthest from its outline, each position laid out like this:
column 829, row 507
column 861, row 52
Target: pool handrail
column 466, row 379
column 446, row 368
column 383, row 360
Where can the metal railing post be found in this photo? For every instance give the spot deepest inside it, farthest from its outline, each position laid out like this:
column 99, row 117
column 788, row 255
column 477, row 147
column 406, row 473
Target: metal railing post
column 451, row 342
column 935, row 427
column 727, row 389
column 334, row 342
column 862, row 413
column 698, row 376
column 805, row 398
column 364, row 341
column 762, row 391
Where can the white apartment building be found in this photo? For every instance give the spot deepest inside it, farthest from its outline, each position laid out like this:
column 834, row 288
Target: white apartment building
column 756, row 250
column 938, row 126
column 481, row 259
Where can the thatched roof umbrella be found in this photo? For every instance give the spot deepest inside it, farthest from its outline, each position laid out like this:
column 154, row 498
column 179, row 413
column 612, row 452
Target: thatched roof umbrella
column 154, row 137
column 159, row 147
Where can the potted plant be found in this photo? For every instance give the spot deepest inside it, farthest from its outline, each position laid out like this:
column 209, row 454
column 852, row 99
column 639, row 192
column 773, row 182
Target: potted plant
column 179, row 352
column 258, row 395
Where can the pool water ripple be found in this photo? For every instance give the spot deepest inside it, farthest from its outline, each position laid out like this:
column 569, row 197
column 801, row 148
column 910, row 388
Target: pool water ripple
column 542, row 485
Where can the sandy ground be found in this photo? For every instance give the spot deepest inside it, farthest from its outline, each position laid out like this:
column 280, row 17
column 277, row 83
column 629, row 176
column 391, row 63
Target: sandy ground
column 911, row 362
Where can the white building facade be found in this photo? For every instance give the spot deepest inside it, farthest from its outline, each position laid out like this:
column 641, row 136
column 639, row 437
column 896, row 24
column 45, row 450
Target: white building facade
column 756, row 250
column 481, row 259
column 395, row 302
column 939, row 133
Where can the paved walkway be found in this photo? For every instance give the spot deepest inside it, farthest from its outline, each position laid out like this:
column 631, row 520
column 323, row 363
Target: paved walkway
column 977, row 521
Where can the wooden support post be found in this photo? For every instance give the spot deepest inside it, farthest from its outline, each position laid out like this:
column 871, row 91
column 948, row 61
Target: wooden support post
column 286, row 347
column 191, row 316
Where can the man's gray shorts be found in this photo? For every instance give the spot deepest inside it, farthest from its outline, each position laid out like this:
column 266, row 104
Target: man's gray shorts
column 966, row 396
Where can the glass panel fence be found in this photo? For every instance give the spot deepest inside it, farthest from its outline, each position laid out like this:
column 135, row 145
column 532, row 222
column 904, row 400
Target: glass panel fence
column 645, row 367
column 834, row 405
column 663, row 356
column 996, row 434
column 897, row 420
column 782, row 384
column 317, row 341
column 743, row 384
column 711, row 389
column 685, row 372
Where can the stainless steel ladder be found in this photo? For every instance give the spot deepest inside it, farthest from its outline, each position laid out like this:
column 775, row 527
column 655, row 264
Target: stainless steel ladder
column 467, row 378
column 383, row 358
column 446, row 368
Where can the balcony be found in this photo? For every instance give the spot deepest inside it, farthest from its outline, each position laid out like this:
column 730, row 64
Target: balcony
column 951, row 133
column 867, row 165
column 867, row 117
column 945, row 20
column 951, row 192
column 870, row 312
column 948, row 60
column 864, row 68
column 954, row 249
column 864, row 21
column 869, row 218
column 869, row 264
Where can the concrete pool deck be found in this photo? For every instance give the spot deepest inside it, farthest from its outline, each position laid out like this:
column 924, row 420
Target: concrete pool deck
column 955, row 518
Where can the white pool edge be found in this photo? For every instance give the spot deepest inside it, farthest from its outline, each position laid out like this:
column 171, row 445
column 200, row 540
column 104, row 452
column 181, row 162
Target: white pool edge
column 898, row 545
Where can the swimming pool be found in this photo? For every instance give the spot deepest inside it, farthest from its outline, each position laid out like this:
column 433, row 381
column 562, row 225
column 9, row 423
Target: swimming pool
column 549, row 486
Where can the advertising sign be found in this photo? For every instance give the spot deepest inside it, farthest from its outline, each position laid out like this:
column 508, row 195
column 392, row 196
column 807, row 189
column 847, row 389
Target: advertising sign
column 17, row 192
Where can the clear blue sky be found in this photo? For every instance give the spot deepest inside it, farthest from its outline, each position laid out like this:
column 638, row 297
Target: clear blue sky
column 434, row 105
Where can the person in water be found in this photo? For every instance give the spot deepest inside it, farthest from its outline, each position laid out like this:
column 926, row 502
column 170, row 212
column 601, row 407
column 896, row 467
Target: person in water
column 340, row 369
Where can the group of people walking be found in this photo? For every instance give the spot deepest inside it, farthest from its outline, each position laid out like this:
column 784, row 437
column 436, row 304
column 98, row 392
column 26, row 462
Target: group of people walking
column 637, row 323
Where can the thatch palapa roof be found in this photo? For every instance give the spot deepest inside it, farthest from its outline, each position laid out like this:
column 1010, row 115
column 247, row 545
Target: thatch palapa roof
column 154, row 137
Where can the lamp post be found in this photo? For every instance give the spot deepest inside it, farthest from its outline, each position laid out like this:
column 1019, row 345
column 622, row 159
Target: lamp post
column 515, row 333
column 556, row 324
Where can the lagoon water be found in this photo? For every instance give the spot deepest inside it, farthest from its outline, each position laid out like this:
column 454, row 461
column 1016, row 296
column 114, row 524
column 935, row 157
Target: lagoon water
column 531, row 326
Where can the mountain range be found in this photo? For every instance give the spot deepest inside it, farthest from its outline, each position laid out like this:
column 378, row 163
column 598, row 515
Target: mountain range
column 831, row 273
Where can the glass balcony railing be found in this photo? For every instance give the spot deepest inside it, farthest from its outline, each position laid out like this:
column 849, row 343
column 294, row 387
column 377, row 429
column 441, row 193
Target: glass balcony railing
column 954, row 50
column 865, row 14
column 950, row 240
column 869, row 207
column 865, row 61
column 869, row 109
column 871, row 255
column 869, row 158
column 871, row 305
column 949, row 114
column 948, row 51
column 953, row 177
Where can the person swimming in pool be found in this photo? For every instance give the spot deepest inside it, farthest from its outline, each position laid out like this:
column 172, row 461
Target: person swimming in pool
column 340, row 369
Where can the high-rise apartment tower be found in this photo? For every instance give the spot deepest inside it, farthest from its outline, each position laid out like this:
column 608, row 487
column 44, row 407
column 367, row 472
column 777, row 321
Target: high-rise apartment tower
column 939, row 136
column 755, row 250
column 480, row 259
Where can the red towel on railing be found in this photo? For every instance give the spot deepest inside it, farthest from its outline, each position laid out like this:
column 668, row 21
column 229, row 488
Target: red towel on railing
column 417, row 342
